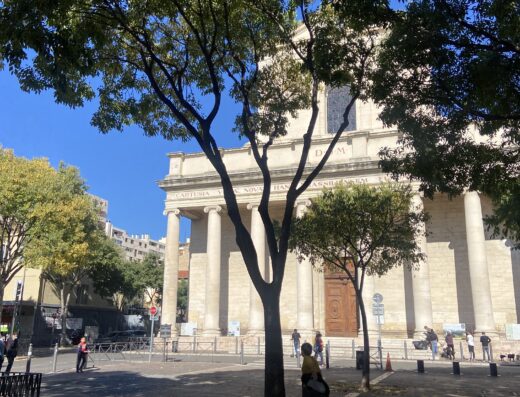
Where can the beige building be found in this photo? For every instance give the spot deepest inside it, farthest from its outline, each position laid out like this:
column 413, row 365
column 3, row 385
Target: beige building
column 468, row 277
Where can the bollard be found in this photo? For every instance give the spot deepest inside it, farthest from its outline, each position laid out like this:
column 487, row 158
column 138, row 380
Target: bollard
column 405, row 351
column 420, row 366
column 55, row 358
column 241, row 352
column 461, row 351
column 298, row 362
column 456, row 368
column 327, row 355
column 215, row 345
column 353, row 348
column 490, row 352
column 236, row 344
column 29, row 355
column 258, row 346
column 194, row 344
column 493, row 370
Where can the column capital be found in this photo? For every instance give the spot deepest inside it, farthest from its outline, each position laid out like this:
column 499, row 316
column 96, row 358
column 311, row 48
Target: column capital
column 212, row 208
column 174, row 211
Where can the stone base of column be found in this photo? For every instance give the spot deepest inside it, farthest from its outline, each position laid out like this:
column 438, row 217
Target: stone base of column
column 211, row 332
column 372, row 334
column 256, row 332
column 494, row 335
column 419, row 335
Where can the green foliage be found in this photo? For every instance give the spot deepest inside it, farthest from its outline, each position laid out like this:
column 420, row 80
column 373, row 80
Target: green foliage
column 449, row 69
column 369, row 227
column 33, row 199
column 182, row 301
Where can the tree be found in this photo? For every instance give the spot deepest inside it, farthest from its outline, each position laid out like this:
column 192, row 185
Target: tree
column 29, row 190
column 149, row 277
column 448, row 72
column 166, row 67
column 361, row 230
column 72, row 249
column 182, row 301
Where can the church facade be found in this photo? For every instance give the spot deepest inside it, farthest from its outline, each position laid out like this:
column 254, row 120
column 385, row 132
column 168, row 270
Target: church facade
column 467, row 278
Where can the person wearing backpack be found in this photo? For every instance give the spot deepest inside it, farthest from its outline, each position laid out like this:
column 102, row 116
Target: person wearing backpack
column 318, row 347
column 2, row 352
column 313, row 384
column 81, row 361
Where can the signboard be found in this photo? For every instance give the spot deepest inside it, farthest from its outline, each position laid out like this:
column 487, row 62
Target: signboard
column 165, row 330
column 234, row 328
column 380, row 320
column 378, row 309
column 458, row 330
column 513, row 331
column 74, row 323
column 52, row 321
column 188, row 329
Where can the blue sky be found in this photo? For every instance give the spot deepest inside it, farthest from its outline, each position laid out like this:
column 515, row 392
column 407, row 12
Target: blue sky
column 121, row 167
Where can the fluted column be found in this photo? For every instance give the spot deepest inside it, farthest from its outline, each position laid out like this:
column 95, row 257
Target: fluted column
column 478, row 267
column 256, row 309
column 304, row 288
column 171, row 270
column 212, row 312
column 422, row 300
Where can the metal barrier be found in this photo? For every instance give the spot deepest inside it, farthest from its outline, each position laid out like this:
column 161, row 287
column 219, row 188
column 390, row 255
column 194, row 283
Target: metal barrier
column 20, row 384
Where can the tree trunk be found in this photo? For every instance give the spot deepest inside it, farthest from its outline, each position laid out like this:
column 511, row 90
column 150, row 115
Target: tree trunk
column 274, row 385
column 64, row 303
column 365, row 378
column 2, row 288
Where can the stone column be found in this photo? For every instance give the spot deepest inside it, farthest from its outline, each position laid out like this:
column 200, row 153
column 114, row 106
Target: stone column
column 304, row 287
column 212, row 313
column 478, row 267
column 422, row 300
column 256, row 309
column 171, row 270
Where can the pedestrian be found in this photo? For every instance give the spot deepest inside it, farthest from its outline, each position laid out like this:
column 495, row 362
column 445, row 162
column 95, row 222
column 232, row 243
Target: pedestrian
column 2, row 352
column 318, row 347
column 11, row 351
column 471, row 345
column 81, row 361
column 295, row 337
column 450, row 346
column 313, row 383
column 485, row 340
column 433, row 340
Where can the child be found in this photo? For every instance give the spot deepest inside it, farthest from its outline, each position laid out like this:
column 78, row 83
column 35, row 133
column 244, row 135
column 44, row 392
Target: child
column 312, row 381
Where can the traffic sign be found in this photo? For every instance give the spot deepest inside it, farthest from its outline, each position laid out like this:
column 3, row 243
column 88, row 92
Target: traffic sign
column 165, row 330
column 378, row 309
column 153, row 310
column 377, row 298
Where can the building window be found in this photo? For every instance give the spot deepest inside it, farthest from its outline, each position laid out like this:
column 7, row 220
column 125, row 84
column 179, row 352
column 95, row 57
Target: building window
column 337, row 100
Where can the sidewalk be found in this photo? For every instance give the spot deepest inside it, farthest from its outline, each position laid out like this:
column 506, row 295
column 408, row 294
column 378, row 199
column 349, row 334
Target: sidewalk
column 228, row 379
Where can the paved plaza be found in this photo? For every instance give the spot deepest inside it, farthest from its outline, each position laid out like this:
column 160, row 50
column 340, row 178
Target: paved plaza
column 199, row 376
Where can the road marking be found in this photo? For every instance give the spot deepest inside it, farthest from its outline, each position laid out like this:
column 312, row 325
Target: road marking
column 374, row 382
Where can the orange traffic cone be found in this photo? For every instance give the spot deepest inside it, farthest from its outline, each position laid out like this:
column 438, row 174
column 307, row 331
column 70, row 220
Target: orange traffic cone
column 388, row 363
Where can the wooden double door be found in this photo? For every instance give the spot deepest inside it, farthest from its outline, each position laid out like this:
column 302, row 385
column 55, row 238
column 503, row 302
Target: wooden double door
column 341, row 309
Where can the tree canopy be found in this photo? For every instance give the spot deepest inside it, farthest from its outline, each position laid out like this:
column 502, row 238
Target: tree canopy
column 361, row 230
column 449, row 78
column 166, row 66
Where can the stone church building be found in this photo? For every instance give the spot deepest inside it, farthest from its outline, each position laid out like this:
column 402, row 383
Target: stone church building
column 467, row 278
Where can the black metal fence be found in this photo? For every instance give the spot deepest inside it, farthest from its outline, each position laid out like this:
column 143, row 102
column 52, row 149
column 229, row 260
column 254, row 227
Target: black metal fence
column 20, row 384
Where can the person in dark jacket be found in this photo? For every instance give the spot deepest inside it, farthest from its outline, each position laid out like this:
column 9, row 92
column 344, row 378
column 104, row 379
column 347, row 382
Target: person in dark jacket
column 11, row 351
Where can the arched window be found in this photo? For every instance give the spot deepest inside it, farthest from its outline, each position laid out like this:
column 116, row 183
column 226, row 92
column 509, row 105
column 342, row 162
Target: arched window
column 337, row 101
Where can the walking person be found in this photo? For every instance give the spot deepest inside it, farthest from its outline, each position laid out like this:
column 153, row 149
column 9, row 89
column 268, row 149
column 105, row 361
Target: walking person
column 318, row 347
column 471, row 346
column 450, row 346
column 11, row 351
column 433, row 340
column 81, row 361
column 313, row 384
column 485, row 340
column 295, row 337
